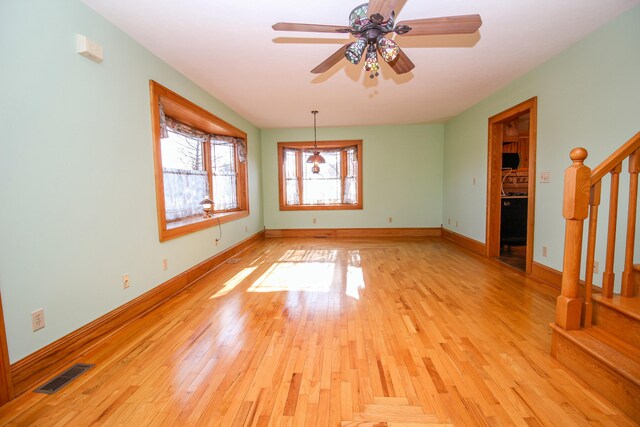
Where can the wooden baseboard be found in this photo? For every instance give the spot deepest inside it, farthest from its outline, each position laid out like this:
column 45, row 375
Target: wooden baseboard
column 553, row 277
column 44, row 363
column 464, row 241
column 355, row 232
column 546, row 274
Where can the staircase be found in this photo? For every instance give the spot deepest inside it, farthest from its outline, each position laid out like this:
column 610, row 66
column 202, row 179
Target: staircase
column 606, row 355
column 597, row 331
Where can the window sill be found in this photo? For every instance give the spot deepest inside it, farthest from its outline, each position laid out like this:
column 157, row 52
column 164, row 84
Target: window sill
column 197, row 223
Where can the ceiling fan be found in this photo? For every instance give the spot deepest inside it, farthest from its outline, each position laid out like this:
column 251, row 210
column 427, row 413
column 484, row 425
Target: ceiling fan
column 370, row 22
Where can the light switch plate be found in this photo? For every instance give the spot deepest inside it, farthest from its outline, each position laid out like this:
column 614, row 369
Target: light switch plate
column 545, row 177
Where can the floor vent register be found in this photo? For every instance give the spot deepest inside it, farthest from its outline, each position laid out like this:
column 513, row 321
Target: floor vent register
column 64, row 378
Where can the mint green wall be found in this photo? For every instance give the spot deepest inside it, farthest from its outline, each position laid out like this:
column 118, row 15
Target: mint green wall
column 402, row 171
column 76, row 172
column 587, row 96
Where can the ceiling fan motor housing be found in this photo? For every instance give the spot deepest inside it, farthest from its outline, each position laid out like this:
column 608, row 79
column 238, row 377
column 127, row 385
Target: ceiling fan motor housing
column 370, row 32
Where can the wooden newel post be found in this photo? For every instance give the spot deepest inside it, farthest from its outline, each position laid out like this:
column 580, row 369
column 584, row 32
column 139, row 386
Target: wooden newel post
column 577, row 182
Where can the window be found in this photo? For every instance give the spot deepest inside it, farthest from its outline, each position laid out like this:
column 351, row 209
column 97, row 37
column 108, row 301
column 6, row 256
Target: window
column 338, row 185
column 197, row 156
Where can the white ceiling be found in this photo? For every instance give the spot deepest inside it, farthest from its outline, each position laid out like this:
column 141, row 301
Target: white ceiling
column 228, row 48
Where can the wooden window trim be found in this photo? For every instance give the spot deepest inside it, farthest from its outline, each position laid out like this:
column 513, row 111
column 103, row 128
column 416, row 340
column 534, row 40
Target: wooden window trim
column 322, row 145
column 187, row 112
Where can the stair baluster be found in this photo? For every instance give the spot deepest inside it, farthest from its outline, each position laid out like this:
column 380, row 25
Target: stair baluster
column 627, row 275
column 608, row 276
column 594, row 203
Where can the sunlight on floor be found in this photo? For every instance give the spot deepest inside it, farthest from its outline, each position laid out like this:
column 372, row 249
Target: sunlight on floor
column 295, row 276
column 355, row 279
column 233, row 282
column 303, row 271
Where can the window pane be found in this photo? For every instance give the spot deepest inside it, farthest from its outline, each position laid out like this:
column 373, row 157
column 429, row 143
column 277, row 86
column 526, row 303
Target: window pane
column 223, row 156
column 184, row 178
column 183, row 192
column 293, row 196
column 325, row 187
column 351, row 178
column 224, row 192
column 291, row 177
column 223, row 161
column 180, row 152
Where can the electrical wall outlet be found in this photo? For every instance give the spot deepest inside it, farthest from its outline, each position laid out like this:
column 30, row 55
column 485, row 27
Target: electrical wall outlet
column 596, row 267
column 125, row 281
column 314, row 220
column 545, row 251
column 165, row 264
column 390, row 220
column 37, row 319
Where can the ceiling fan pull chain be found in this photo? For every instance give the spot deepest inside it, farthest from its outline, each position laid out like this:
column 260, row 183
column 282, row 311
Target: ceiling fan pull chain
column 371, row 63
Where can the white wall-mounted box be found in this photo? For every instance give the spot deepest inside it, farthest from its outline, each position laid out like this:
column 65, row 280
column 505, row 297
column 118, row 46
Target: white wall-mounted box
column 88, row 48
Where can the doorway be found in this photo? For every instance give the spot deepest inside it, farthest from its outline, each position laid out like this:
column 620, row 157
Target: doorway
column 511, row 185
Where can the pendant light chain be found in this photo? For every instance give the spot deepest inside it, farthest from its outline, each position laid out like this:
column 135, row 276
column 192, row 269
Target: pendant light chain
column 315, row 158
column 315, row 135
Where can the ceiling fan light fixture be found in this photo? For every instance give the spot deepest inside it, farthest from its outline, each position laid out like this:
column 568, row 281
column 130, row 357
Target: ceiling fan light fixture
column 370, row 22
column 355, row 51
column 388, row 49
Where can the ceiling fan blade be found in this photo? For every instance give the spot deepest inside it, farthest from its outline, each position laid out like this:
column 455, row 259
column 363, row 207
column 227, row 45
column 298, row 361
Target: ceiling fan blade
column 462, row 24
column 331, row 61
column 402, row 64
column 311, row 28
column 383, row 7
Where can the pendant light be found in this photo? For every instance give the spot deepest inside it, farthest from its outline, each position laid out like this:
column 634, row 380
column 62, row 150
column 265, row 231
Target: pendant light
column 315, row 158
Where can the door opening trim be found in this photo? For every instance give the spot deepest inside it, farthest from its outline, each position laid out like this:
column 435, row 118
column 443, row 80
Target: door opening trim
column 494, row 176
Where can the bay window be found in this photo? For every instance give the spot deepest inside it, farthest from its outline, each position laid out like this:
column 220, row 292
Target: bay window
column 338, row 184
column 197, row 156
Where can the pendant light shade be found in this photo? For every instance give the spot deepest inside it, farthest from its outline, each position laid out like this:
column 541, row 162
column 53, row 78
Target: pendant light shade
column 315, row 158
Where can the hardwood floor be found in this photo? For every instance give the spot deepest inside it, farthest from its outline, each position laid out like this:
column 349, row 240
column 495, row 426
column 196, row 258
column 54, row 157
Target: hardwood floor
column 391, row 331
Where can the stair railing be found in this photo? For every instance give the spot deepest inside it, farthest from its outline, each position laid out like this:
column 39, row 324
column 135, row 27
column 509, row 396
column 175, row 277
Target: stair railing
column 582, row 194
